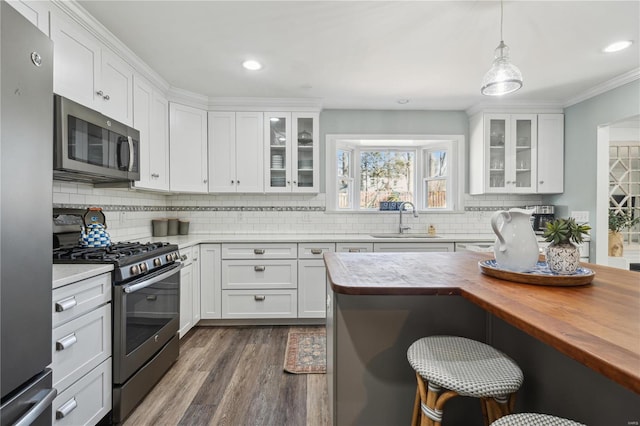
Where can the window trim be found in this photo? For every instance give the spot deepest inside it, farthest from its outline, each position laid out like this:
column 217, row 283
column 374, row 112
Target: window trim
column 421, row 144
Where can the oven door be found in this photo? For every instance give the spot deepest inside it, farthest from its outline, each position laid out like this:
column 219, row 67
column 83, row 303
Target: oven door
column 146, row 317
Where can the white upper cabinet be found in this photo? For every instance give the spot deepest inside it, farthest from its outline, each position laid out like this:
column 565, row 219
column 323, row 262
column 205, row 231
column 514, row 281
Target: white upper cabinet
column 187, row 149
column 511, row 153
column 291, row 152
column 89, row 73
column 236, row 152
column 37, row 12
column 151, row 118
column 550, row 153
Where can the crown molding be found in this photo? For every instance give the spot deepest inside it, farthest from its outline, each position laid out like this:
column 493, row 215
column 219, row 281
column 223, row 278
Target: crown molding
column 521, row 107
column 264, row 104
column 621, row 80
column 185, row 97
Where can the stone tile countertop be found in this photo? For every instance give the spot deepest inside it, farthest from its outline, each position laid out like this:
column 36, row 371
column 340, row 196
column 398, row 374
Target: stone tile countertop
column 64, row 274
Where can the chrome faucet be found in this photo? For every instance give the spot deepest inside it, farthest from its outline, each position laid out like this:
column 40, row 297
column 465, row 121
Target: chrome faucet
column 415, row 214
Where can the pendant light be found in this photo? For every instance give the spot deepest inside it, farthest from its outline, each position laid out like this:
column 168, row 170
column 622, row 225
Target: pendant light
column 503, row 77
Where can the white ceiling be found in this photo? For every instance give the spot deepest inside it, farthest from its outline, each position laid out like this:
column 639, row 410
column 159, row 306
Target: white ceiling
column 369, row 54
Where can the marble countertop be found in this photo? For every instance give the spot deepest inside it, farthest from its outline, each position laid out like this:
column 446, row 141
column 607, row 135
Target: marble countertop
column 185, row 241
column 64, row 274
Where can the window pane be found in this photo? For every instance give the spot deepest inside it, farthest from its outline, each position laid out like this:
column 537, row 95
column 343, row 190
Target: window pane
column 386, row 176
column 437, row 163
column 344, row 162
column 437, row 194
column 344, row 194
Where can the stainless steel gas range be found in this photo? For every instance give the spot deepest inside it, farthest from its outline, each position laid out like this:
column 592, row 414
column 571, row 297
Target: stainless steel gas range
column 146, row 301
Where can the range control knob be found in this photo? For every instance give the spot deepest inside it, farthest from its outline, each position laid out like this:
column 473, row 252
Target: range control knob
column 169, row 257
column 143, row 267
column 175, row 256
column 135, row 270
column 157, row 262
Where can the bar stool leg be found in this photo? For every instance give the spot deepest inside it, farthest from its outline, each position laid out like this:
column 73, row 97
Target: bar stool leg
column 415, row 417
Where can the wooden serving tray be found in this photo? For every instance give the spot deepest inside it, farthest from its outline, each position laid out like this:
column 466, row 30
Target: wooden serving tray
column 541, row 275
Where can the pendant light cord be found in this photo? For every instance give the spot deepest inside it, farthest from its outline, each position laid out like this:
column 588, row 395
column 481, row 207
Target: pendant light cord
column 501, row 19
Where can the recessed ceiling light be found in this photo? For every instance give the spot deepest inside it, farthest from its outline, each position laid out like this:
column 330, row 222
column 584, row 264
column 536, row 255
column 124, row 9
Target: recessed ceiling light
column 252, row 65
column 403, row 101
column 617, row 46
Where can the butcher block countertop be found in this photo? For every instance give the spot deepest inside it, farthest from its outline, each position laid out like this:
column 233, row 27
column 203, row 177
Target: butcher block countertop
column 597, row 324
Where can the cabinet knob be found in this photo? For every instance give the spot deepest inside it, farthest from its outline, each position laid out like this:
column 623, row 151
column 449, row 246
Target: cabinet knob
column 106, row 97
column 541, row 182
column 238, row 182
column 100, row 93
column 294, row 182
column 204, row 181
column 232, row 182
column 288, row 182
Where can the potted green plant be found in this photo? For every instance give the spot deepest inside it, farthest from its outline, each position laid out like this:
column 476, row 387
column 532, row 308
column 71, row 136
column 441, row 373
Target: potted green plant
column 563, row 256
column 619, row 220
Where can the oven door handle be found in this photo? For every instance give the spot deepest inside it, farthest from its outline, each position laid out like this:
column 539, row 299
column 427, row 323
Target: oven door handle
column 131, row 288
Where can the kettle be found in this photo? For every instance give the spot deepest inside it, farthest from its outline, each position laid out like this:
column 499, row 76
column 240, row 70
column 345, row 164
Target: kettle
column 516, row 248
column 94, row 232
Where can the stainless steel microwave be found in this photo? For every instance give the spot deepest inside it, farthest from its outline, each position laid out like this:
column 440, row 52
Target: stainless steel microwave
column 90, row 147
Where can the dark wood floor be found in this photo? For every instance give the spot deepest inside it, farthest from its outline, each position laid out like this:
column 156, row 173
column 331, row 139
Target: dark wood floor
column 234, row 376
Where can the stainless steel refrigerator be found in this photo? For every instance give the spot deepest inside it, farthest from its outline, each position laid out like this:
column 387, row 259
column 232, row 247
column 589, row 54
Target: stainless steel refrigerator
column 26, row 153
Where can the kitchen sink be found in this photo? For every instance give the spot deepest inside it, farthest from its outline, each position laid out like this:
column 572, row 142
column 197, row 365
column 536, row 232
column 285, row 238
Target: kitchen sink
column 398, row 235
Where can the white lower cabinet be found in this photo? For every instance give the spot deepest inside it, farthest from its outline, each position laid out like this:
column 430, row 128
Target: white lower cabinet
column 210, row 284
column 186, row 293
column 312, row 279
column 81, row 351
column 87, row 401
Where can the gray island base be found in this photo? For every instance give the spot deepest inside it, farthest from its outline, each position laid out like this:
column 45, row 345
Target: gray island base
column 371, row 383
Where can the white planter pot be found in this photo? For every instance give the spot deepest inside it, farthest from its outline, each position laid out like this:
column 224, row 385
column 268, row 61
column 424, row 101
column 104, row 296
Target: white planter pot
column 564, row 258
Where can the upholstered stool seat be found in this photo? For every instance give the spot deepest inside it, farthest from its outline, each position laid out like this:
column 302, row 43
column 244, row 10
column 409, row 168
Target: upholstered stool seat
column 533, row 419
column 452, row 366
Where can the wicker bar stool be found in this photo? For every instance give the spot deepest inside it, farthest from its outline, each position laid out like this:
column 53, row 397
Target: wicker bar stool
column 533, row 419
column 448, row 366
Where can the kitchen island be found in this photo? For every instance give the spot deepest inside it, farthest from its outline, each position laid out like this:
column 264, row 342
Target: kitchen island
column 579, row 347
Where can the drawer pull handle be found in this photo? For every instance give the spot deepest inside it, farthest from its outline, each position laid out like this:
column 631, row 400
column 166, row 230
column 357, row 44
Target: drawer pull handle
column 259, row 268
column 316, row 251
column 259, row 298
column 352, row 250
column 152, row 298
column 66, row 304
column 66, row 342
column 258, row 251
column 66, row 408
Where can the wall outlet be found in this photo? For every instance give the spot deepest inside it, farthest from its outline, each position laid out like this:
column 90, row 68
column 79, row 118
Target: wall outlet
column 580, row 216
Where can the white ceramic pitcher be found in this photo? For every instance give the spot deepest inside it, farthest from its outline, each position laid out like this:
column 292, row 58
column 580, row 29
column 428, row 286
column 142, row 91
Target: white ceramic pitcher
column 516, row 248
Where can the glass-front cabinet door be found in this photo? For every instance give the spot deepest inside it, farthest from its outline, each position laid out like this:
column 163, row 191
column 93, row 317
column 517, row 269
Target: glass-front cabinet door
column 291, row 154
column 278, row 151
column 305, row 170
column 497, row 128
column 511, row 143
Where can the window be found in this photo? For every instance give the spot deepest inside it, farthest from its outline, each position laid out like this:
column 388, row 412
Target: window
column 363, row 172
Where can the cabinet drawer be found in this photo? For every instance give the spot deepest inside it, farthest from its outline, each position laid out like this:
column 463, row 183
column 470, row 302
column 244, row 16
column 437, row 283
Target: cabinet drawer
column 250, row 274
column 78, row 298
column 314, row 250
column 259, row 303
column 259, row 251
column 80, row 345
column 413, row 247
column 86, row 401
column 354, row 247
